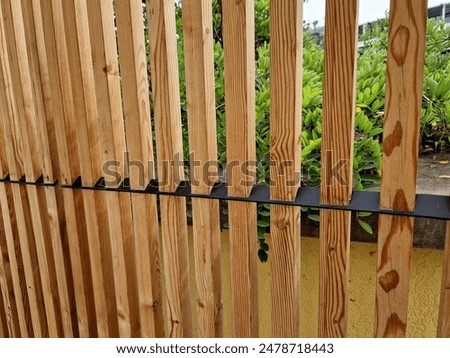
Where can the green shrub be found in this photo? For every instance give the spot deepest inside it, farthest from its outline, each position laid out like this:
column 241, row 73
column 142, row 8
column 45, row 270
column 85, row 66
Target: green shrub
column 370, row 87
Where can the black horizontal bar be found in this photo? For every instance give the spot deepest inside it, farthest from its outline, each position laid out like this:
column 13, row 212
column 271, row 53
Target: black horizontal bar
column 427, row 206
column 38, row 182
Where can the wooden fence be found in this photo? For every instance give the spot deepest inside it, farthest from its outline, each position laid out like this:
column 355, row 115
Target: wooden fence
column 74, row 95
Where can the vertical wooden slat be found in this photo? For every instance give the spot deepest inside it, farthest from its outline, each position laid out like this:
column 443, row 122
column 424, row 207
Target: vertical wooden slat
column 8, row 313
column 341, row 23
column 140, row 166
column 444, row 308
column 166, row 97
column 239, row 57
column 405, row 63
column 3, row 327
column 199, row 65
column 285, row 123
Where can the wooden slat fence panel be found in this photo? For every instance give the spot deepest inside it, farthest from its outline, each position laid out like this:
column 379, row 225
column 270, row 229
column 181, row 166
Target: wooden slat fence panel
column 405, row 63
column 285, row 141
column 75, row 102
column 341, row 22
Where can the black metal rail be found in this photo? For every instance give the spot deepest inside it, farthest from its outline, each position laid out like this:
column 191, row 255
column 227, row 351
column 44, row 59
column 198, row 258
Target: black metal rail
column 427, row 205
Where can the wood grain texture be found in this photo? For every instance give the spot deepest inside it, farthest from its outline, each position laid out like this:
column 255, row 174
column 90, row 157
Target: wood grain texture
column 200, row 96
column 9, row 220
column 3, row 328
column 339, row 90
column 110, row 121
column 285, row 97
column 51, row 91
column 334, row 261
column 341, row 21
column 11, row 125
column 285, row 140
column 32, row 137
column 206, row 226
column 444, row 308
column 405, row 61
column 166, row 100
column 166, row 92
column 140, row 164
column 45, row 127
column 239, row 62
column 8, row 314
column 75, row 66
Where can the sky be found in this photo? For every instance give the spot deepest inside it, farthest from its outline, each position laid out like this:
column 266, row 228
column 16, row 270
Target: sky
column 369, row 10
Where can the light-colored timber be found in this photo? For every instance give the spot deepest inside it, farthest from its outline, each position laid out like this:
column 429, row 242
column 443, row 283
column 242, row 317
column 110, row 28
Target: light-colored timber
column 199, row 66
column 339, row 87
column 405, row 63
column 286, row 33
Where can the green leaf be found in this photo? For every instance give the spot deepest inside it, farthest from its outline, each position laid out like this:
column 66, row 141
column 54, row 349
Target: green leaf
column 262, row 255
column 365, row 226
column 263, row 223
column 314, row 217
column 363, row 214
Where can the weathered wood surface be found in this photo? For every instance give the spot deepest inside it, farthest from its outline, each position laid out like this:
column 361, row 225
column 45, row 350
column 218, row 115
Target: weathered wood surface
column 339, row 87
column 405, row 62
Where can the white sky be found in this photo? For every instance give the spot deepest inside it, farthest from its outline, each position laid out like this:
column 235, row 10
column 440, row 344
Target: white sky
column 369, row 10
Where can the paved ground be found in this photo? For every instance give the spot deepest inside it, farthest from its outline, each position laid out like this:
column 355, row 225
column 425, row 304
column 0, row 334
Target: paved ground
column 434, row 174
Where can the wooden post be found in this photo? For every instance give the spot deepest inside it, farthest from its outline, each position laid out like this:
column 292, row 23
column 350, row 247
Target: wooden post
column 341, row 23
column 405, row 62
column 166, row 99
column 286, row 31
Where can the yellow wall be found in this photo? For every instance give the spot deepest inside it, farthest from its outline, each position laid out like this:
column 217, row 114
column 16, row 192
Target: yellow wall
column 423, row 299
